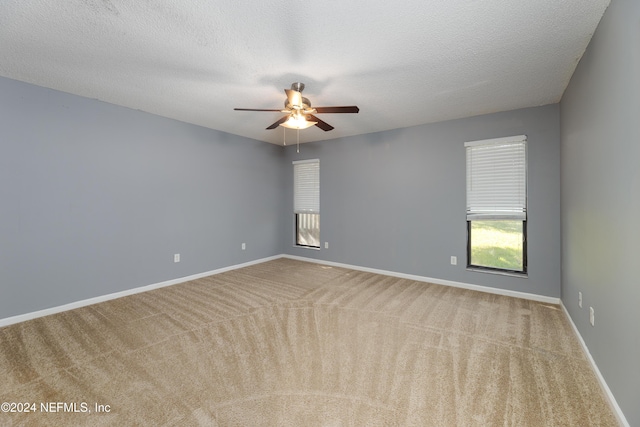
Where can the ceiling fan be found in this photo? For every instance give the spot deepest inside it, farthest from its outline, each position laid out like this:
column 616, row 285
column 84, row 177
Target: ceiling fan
column 300, row 114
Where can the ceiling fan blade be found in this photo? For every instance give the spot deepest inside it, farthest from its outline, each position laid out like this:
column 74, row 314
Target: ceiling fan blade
column 345, row 109
column 276, row 124
column 294, row 97
column 253, row 109
column 321, row 124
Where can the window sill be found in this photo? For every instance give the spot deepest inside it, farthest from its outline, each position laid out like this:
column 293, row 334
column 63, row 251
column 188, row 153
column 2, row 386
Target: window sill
column 306, row 247
column 500, row 273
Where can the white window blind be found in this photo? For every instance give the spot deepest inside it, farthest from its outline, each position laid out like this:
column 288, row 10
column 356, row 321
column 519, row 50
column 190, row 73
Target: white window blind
column 497, row 178
column 306, row 186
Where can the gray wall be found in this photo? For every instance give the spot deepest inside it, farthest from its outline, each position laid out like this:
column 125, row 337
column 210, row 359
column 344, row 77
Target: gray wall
column 600, row 150
column 96, row 198
column 396, row 200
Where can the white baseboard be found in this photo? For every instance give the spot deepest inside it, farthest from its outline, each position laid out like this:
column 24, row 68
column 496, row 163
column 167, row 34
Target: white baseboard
column 603, row 384
column 77, row 304
column 487, row 289
column 53, row 310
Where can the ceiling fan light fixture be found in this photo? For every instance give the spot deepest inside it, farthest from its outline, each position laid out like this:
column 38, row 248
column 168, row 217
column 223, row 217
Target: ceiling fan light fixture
column 298, row 122
column 299, row 114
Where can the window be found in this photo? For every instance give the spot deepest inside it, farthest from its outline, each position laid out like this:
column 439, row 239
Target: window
column 497, row 204
column 306, row 202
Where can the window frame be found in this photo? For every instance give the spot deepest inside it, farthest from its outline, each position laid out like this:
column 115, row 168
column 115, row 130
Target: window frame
column 485, row 268
column 517, row 214
column 307, row 203
column 297, row 232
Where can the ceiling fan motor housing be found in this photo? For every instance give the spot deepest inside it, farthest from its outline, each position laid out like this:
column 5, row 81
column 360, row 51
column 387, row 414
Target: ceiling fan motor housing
column 306, row 104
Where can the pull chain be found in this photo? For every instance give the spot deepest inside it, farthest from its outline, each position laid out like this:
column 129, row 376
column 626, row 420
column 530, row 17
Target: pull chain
column 284, row 136
column 298, row 149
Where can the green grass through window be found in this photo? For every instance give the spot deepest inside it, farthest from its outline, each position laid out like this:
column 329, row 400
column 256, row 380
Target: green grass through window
column 497, row 244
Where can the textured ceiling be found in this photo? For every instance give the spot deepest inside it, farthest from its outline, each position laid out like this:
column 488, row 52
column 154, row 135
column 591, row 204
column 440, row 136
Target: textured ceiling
column 403, row 63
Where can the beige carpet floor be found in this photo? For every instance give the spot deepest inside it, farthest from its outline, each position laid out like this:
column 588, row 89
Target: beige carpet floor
column 289, row 343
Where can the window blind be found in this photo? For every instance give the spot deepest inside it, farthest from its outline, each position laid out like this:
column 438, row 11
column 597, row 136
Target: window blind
column 497, row 178
column 306, row 186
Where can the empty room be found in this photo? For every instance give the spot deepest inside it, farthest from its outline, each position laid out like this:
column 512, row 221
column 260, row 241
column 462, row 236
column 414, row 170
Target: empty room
column 288, row 213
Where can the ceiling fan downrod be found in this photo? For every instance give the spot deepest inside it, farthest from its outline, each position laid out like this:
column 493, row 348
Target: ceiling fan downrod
column 297, row 86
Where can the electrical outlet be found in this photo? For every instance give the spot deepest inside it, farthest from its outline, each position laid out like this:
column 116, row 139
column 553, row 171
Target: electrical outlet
column 580, row 299
column 592, row 316
column 326, row 245
column 454, row 260
column 244, row 246
column 176, row 257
